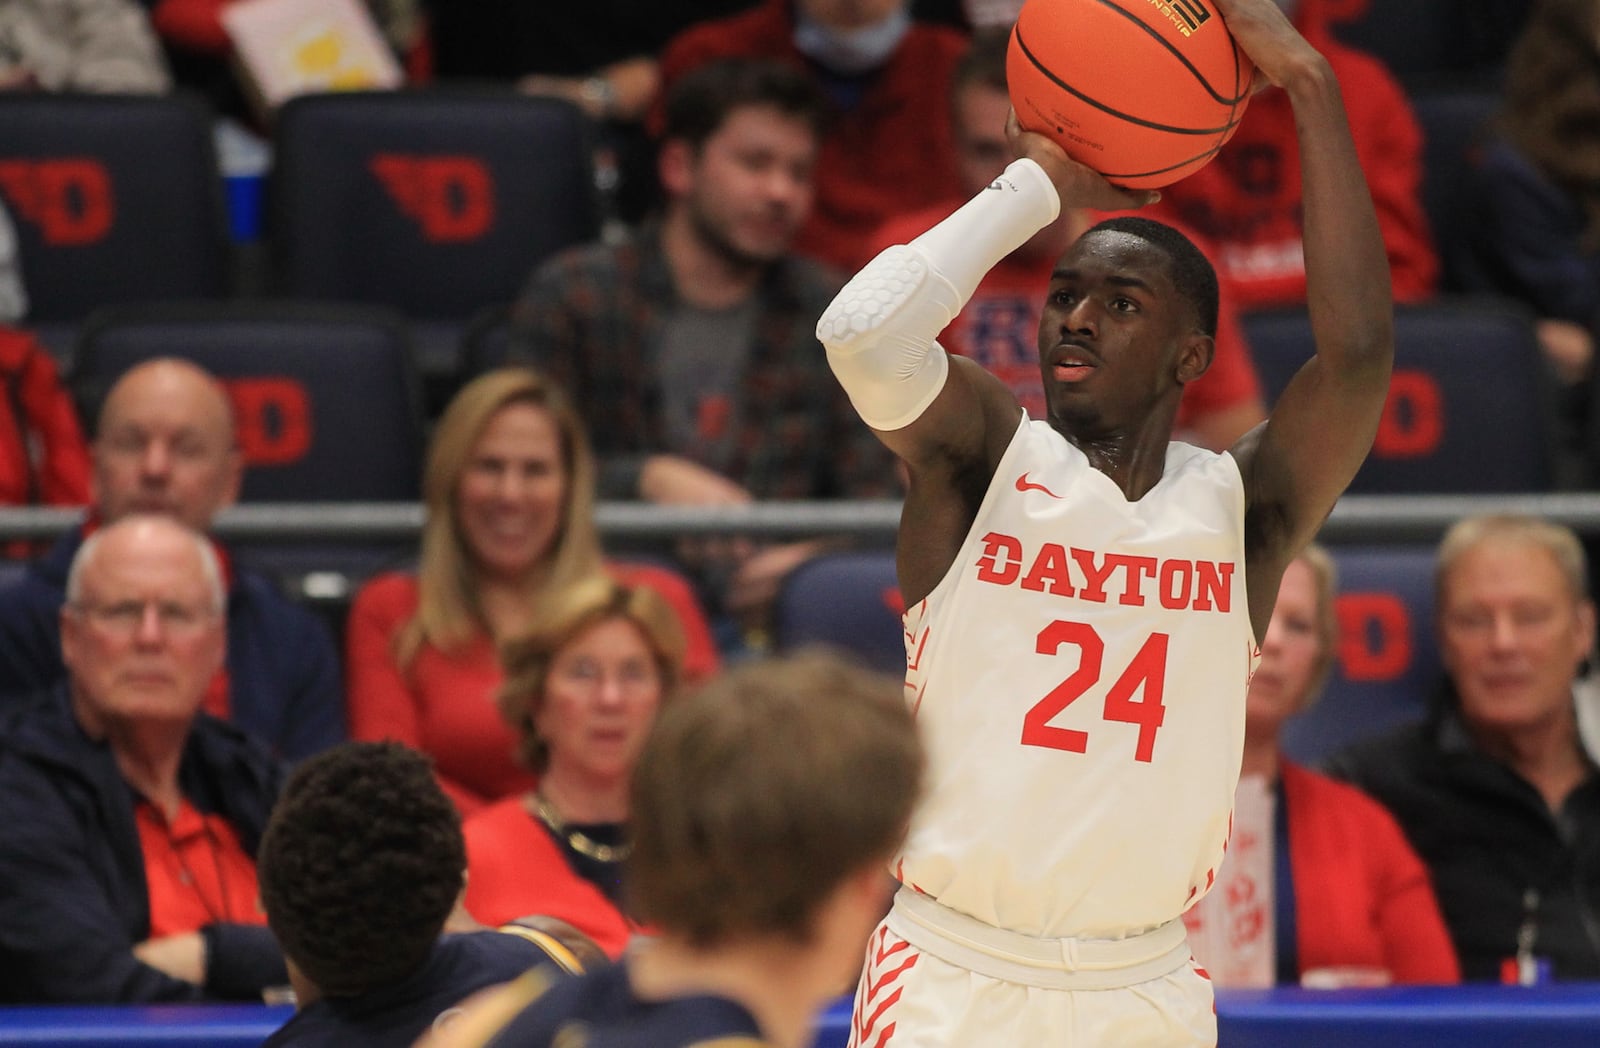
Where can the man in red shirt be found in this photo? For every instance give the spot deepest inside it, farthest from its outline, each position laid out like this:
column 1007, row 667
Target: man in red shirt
column 999, row 325
column 127, row 866
column 1247, row 201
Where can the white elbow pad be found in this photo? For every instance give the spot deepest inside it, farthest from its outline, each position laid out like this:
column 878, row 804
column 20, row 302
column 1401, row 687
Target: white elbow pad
column 879, row 335
column 880, row 330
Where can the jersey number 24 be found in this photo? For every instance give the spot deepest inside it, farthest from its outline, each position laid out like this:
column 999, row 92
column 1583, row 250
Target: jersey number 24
column 1146, row 673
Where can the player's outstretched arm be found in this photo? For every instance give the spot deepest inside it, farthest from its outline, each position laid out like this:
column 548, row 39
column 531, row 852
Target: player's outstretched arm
column 947, row 418
column 1298, row 463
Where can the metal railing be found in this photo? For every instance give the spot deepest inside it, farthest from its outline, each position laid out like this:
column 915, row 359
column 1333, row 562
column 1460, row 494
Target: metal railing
column 1357, row 518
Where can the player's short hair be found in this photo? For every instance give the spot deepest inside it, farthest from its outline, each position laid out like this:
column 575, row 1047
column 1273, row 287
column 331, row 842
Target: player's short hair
column 700, row 101
column 1192, row 273
column 759, row 793
column 360, row 865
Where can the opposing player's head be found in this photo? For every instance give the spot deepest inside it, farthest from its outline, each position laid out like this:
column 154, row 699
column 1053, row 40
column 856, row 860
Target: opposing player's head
column 361, row 864
column 768, row 801
column 1129, row 320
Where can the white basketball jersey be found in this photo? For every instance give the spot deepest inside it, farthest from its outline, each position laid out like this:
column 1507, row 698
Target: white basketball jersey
column 1079, row 676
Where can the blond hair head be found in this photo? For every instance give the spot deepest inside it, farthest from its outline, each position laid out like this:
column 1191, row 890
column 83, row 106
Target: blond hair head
column 448, row 611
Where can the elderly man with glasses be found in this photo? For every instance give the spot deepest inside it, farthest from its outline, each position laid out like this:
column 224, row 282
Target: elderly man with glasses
column 131, row 817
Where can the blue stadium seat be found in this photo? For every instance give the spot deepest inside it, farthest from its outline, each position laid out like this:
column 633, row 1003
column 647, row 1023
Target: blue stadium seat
column 327, row 408
column 1388, row 660
column 1453, row 122
column 1429, row 44
column 117, row 199
column 1469, row 409
column 489, row 343
column 325, row 395
column 848, row 600
column 434, row 202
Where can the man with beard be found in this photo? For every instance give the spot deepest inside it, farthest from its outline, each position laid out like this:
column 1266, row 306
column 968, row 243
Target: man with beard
column 696, row 339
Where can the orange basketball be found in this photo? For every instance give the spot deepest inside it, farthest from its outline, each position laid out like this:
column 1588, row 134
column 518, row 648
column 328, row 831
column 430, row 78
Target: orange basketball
column 1143, row 91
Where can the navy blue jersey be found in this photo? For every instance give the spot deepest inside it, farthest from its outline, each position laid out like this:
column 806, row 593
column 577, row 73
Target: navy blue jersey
column 600, row 1010
column 397, row 1015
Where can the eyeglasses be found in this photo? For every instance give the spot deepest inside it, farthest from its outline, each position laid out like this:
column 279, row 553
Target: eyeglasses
column 630, row 675
column 125, row 616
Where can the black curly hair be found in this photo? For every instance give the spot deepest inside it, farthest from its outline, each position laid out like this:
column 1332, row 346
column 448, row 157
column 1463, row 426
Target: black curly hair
column 361, row 863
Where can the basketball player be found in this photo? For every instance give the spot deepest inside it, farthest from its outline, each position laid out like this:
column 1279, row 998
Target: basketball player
column 765, row 806
column 1084, row 596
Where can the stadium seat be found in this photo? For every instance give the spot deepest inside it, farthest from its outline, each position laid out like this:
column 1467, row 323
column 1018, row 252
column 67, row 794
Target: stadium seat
column 326, row 404
column 1469, row 409
column 325, row 395
column 1430, row 44
column 117, row 199
column 434, row 202
column 487, row 342
column 1388, row 660
column 847, row 600
column 1452, row 122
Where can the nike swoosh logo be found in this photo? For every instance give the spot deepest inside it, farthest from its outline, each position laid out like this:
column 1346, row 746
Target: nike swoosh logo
column 1024, row 484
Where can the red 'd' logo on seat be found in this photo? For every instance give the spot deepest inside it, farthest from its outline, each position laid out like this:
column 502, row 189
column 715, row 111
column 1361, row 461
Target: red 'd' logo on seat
column 450, row 197
column 1413, row 417
column 273, row 419
column 1374, row 636
column 68, row 198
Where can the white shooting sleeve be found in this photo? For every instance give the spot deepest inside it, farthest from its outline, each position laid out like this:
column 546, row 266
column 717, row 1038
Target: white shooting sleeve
column 879, row 331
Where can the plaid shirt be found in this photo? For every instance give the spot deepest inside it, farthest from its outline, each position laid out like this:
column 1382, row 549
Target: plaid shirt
column 592, row 318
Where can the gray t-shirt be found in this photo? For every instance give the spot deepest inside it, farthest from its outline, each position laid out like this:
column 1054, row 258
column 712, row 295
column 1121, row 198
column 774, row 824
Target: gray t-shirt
column 699, row 367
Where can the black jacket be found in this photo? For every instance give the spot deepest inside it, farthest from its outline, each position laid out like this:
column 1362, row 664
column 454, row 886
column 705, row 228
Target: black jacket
column 73, row 897
column 1500, row 860
column 397, row 1015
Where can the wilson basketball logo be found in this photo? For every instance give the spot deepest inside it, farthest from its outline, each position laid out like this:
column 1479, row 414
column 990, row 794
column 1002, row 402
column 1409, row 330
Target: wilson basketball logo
column 68, row 199
column 1187, row 15
column 450, row 197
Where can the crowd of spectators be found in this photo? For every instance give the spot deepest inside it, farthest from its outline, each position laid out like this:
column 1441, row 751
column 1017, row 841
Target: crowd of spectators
column 156, row 690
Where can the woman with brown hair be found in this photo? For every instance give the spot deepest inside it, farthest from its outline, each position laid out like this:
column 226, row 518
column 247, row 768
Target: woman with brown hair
column 582, row 690
column 509, row 490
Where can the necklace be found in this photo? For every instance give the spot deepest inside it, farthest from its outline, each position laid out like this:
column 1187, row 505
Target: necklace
column 580, row 842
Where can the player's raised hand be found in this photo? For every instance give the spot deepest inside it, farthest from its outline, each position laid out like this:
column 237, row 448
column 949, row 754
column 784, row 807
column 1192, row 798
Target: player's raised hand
column 1077, row 185
column 1271, row 41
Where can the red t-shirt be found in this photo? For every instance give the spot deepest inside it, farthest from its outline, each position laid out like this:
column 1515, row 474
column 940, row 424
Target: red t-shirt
column 514, row 869
column 1248, row 200
column 196, row 870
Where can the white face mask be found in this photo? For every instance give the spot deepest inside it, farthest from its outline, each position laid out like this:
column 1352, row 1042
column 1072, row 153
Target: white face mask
column 13, row 297
column 851, row 51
